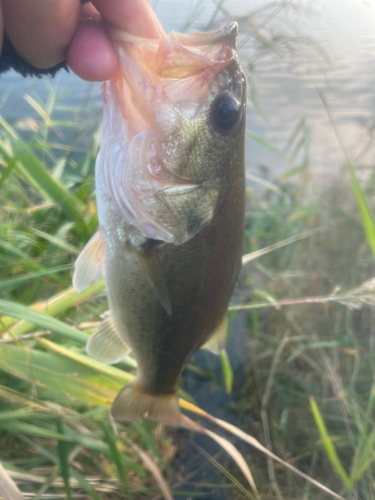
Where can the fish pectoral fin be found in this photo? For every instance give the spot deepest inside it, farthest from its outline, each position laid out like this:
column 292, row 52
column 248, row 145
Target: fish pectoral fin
column 216, row 342
column 105, row 344
column 132, row 403
column 89, row 267
column 151, row 266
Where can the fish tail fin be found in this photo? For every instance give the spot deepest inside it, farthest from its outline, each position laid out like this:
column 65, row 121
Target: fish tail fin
column 132, row 403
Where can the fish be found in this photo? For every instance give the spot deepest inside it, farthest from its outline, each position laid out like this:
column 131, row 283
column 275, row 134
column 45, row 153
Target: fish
column 170, row 189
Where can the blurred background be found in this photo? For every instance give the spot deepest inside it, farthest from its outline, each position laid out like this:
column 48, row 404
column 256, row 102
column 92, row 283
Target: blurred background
column 298, row 370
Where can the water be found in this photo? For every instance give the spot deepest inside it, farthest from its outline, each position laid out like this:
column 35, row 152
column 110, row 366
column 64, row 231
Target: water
column 288, row 90
column 286, row 81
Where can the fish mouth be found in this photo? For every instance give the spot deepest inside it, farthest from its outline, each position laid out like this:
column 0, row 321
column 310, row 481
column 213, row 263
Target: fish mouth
column 158, row 71
column 227, row 34
column 178, row 55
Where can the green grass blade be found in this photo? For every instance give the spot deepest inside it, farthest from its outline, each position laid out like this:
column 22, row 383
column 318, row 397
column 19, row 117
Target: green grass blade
column 15, row 397
column 32, row 430
column 40, row 449
column 147, row 438
column 40, row 178
column 17, row 252
column 41, row 320
column 63, row 454
column 56, row 304
column 265, row 144
column 55, row 190
column 90, row 490
column 43, row 114
column 366, row 214
column 280, row 244
column 12, row 283
column 328, row 445
column 11, row 164
column 65, row 380
column 57, row 242
column 48, row 483
column 8, row 129
column 117, row 459
column 364, row 461
column 232, row 315
column 294, row 171
column 121, row 376
column 227, row 371
column 266, row 184
column 98, row 445
column 20, row 413
column 363, row 436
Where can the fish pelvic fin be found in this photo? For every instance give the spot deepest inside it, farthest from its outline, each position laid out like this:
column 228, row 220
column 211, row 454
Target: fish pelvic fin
column 89, row 267
column 106, row 344
column 217, row 340
column 132, row 403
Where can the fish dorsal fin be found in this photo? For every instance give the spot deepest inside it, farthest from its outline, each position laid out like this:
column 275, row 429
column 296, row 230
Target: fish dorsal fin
column 151, row 265
column 106, row 344
column 217, row 340
column 89, row 267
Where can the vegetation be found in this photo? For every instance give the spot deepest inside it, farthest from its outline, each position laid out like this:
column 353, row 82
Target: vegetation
column 302, row 317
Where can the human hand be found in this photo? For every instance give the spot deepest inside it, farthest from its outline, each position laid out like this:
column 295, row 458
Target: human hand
column 46, row 32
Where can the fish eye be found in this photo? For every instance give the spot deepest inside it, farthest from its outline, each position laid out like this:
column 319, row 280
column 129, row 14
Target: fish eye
column 226, row 113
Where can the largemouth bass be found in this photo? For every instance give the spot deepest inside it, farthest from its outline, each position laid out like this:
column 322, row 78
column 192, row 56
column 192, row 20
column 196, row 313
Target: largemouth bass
column 170, row 187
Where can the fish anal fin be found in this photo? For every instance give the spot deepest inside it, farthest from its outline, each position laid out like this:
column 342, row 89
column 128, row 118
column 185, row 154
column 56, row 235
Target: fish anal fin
column 89, row 266
column 151, row 266
column 132, row 403
column 105, row 344
column 216, row 342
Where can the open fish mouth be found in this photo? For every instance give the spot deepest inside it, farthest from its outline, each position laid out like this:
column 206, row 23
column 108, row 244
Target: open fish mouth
column 180, row 55
column 156, row 124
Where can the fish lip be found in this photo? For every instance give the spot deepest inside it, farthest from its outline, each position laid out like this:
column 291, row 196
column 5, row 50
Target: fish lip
column 226, row 34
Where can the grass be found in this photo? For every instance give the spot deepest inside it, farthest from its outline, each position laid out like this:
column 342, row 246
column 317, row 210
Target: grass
column 317, row 325
column 305, row 306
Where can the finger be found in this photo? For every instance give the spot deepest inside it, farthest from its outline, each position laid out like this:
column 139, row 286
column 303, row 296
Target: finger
column 134, row 16
column 91, row 55
column 41, row 31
